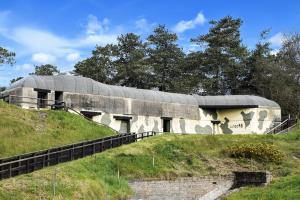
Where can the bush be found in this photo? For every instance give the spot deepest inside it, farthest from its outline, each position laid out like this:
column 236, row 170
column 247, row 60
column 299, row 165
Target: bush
column 262, row 152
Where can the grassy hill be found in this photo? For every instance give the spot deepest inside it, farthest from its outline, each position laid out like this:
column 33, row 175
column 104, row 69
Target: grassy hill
column 24, row 131
column 96, row 177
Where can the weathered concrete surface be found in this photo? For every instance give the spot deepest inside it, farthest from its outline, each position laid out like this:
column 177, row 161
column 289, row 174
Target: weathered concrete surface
column 204, row 188
column 185, row 112
column 251, row 178
column 201, row 188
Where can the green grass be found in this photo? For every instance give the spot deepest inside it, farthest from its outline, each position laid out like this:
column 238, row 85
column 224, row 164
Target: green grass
column 282, row 188
column 96, row 177
column 24, row 131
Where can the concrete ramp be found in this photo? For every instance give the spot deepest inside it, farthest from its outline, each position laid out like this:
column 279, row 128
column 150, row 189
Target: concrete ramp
column 204, row 188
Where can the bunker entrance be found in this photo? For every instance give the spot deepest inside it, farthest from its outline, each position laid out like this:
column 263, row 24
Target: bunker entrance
column 42, row 98
column 58, row 97
column 58, row 101
column 125, row 123
column 125, row 126
column 166, row 124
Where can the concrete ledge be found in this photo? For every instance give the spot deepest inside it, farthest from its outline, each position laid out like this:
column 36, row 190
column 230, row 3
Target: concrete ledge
column 245, row 178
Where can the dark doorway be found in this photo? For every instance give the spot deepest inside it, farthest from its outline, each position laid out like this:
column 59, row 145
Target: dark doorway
column 58, row 97
column 42, row 99
column 166, row 125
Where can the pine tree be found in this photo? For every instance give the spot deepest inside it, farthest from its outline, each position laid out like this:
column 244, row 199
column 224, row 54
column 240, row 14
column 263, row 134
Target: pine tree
column 223, row 56
column 165, row 58
column 45, row 70
column 131, row 68
column 99, row 66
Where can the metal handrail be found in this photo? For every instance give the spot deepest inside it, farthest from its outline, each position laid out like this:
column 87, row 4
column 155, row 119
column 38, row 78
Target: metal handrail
column 279, row 125
column 38, row 100
column 287, row 129
column 16, row 165
column 65, row 146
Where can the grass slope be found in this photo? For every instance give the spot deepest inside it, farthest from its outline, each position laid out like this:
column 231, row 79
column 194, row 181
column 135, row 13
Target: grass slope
column 96, row 177
column 282, row 188
column 24, row 131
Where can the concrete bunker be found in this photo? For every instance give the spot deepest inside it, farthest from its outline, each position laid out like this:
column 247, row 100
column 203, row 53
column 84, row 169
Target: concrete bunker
column 149, row 110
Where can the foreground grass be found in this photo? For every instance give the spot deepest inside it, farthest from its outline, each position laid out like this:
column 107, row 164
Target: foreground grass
column 24, row 131
column 96, row 177
column 282, row 188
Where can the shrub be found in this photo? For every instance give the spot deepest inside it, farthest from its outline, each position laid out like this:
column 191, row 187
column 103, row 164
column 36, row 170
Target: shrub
column 262, row 152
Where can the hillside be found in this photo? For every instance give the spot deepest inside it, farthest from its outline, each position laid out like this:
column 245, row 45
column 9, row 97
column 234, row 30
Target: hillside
column 96, row 177
column 28, row 130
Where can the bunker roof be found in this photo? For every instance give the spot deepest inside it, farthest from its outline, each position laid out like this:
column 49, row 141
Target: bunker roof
column 82, row 85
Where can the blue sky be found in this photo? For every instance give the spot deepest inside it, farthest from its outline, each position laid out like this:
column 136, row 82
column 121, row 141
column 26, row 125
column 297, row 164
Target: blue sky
column 62, row 32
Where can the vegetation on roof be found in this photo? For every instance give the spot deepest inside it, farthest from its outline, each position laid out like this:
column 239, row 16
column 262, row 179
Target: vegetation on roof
column 24, row 131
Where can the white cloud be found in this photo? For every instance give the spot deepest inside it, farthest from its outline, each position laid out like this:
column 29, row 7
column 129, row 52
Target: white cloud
column 71, row 57
column 92, row 40
column 33, row 40
column 24, row 67
column 277, row 39
column 183, row 25
column 274, row 52
column 43, row 58
column 94, row 26
column 36, row 40
column 143, row 25
column 39, row 46
column 189, row 48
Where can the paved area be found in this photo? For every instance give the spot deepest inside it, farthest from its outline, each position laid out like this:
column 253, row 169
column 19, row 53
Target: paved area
column 190, row 188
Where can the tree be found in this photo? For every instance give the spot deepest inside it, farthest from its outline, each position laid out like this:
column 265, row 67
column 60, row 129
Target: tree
column 2, row 89
column 287, row 81
column 223, row 56
column 275, row 76
column 15, row 79
column 165, row 58
column 45, row 70
column 6, row 56
column 289, row 56
column 130, row 62
column 99, row 66
column 260, row 65
column 191, row 76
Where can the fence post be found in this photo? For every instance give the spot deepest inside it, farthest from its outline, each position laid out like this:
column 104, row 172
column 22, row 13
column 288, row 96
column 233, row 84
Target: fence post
column 54, row 181
column 153, row 161
column 9, row 168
